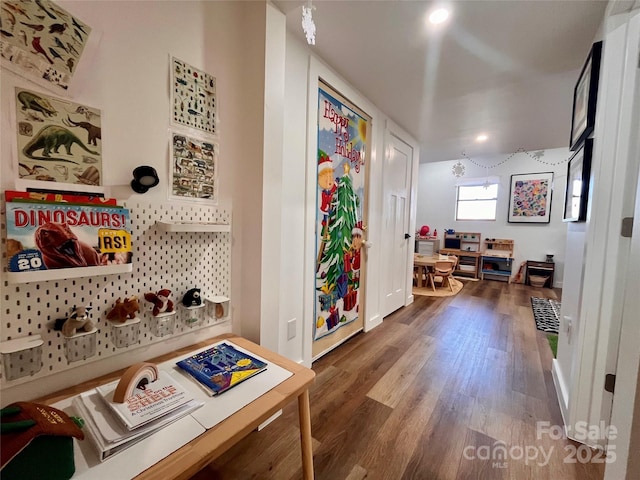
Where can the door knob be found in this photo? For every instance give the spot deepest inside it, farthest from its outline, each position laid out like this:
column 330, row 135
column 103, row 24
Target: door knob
column 406, row 235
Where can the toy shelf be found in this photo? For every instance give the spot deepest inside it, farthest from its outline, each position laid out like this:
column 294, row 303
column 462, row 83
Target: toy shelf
column 193, row 227
column 66, row 273
column 497, row 259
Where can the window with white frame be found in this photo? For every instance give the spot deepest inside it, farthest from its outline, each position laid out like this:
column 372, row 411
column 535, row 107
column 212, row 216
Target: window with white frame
column 477, row 199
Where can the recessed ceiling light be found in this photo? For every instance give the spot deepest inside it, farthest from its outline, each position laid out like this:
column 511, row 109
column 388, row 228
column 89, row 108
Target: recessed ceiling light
column 481, row 138
column 439, row 16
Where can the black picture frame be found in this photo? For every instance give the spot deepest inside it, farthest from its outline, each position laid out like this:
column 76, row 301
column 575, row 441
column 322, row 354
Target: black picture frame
column 576, row 193
column 530, row 198
column 585, row 97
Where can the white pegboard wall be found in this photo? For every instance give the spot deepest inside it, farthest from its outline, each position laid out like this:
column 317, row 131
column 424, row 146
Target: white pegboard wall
column 174, row 260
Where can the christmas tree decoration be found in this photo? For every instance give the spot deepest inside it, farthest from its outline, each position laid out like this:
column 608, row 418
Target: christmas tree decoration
column 342, row 148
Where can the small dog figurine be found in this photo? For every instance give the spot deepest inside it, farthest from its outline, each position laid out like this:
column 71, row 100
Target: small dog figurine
column 192, row 298
column 161, row 301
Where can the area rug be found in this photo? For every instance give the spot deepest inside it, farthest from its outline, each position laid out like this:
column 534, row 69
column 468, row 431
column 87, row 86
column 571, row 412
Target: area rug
column 546, row 312
column 440, row 291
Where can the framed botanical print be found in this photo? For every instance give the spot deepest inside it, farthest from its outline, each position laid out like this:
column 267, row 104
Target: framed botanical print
column 530, row 198
column 577, row 190
column 585, row 96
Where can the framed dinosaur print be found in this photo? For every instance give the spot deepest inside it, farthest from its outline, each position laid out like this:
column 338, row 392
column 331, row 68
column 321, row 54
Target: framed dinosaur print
column 58, row 142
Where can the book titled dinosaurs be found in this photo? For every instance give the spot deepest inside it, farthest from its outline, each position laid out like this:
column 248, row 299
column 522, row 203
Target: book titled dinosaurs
column 44, row 236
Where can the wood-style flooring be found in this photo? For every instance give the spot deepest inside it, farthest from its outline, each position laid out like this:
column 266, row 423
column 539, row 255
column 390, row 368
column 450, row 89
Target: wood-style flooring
column 441, row 390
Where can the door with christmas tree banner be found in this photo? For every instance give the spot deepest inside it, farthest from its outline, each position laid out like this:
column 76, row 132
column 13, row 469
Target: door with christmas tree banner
column 342, row 158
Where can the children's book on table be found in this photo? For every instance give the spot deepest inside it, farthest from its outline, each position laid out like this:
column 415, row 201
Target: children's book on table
column 148, row 402
column 221, row 367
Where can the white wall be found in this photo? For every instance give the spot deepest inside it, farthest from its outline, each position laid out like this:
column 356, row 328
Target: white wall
column 292, row 234
column 437, row 203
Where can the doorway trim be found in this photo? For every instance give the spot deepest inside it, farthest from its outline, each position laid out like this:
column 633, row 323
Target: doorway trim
column 392, row 129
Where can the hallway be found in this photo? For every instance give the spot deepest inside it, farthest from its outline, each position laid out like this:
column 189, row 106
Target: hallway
column 435, row 392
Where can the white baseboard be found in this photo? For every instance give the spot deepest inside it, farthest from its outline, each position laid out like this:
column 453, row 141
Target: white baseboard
column 373, row 322
column 562, row 392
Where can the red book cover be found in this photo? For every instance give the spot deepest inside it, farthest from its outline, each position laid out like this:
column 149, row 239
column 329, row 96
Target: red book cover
column 12, row 195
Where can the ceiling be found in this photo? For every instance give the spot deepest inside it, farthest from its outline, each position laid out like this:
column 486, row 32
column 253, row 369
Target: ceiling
column 503, row 68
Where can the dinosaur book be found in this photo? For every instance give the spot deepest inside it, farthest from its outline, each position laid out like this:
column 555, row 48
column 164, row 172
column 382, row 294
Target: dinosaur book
column 43, row 236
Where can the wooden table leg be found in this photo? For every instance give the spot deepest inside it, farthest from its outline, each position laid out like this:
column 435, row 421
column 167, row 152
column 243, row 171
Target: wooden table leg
column 306, row 441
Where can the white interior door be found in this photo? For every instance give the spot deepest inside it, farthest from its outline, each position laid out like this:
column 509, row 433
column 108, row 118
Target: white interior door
column 397, row 240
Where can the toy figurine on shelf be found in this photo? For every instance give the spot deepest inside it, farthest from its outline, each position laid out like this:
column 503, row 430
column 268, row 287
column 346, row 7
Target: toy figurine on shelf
column 122, row 311
column 161, row 301
column 77, row 320
column 192, row 298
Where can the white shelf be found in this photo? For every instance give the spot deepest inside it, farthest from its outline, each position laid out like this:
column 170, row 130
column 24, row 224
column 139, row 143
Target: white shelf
column 65, row 273
column 21, row 344
column 217, row 299
column 193, row 227
column 162, row 314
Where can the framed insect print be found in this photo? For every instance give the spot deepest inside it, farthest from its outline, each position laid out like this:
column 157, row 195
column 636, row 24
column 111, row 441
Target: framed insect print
column 193, row 97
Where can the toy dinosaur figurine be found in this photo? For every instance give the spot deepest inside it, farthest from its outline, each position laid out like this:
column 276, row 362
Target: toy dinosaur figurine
column 161, row 301
column 122, row 311
column 77, row 320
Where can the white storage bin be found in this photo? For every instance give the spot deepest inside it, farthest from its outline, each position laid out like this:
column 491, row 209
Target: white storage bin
column 81, row 346
column 163, row 324
column 22, row 357
column 125, row 334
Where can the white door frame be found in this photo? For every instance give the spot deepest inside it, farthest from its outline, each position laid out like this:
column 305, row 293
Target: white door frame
column 390, row 134
column 607, row 253
column 391, row 128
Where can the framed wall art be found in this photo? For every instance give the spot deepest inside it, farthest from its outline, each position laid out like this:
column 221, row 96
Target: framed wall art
column 194, row 168
column 577, row 190
column 193, row 97
column 58, row 142
column 585, row 96
column 530, row 198
column 42, row 41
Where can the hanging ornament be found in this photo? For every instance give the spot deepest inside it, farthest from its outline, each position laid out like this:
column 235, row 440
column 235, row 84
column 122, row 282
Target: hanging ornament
column 487, row 183
column 308, row 25
column 458, row 169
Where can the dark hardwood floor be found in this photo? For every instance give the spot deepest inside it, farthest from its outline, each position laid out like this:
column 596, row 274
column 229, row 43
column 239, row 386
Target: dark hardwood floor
column 447, row 388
